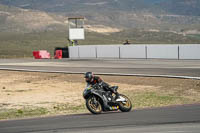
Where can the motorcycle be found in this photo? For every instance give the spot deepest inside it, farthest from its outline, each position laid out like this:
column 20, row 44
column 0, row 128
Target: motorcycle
column 98, row 100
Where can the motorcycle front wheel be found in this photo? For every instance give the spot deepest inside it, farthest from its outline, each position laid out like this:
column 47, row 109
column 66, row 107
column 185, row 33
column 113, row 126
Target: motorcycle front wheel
column 125, row 106
column 93, row 105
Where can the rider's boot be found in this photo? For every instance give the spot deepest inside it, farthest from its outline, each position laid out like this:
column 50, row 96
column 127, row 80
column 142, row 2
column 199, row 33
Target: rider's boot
column 118, row 98
column 116, row 95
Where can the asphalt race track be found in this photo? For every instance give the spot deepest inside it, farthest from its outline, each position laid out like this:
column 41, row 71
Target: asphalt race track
column 174, row 119
column 184, row 119
column 167, row 68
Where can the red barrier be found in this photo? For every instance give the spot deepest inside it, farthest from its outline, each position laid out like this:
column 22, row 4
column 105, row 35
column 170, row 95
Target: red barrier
column 36, row 54
column 42, row 54
column 58, row 54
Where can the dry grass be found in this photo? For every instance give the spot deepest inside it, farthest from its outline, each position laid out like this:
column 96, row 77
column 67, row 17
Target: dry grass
column 51, row 93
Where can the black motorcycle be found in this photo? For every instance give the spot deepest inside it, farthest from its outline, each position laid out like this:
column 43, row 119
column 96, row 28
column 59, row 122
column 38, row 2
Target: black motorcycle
column 98, row 100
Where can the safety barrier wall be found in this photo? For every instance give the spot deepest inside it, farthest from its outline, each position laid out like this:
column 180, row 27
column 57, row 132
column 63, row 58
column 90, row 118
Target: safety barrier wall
column 74, row 52
column 189, row 51
column 161, row 51
column 87, row 52
column 133, row 51
column 108, row 51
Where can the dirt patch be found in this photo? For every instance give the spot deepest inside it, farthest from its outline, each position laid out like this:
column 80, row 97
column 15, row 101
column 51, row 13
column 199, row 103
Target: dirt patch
column 20, row 89
column 61, row 92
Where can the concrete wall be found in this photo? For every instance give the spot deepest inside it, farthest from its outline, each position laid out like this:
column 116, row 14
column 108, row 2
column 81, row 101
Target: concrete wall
column 74, row 52
column 108, row 51
column 162, row 51
column 189, row 51
column 133, row 51
column 87, row 52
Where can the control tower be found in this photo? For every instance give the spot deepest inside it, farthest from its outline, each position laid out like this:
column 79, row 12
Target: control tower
column 76, row 29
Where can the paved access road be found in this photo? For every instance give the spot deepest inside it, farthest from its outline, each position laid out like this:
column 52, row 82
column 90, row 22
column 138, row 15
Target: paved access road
column 177, row 119
column 171, row 68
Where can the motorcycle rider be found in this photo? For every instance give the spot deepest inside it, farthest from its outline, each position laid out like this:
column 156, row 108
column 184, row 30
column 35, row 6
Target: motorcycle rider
column 91, row 79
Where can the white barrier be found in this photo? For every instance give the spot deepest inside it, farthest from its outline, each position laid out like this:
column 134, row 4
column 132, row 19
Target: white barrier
column 108, row 51
column 189, row 51
column 133, row 51
column 87, row 52
column 73, row 52
column 162, row 51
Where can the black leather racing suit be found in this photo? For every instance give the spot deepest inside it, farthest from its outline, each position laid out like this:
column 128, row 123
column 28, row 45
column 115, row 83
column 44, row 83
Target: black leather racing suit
column 106, row 86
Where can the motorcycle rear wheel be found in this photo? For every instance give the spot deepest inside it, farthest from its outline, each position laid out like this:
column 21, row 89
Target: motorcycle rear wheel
column 93, row 105
column 125, row 106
